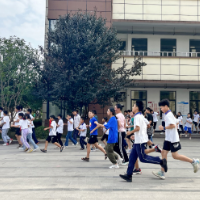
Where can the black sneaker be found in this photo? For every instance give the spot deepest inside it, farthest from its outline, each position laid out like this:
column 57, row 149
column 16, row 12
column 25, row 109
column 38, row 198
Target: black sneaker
column 126, row 177
column 61, row 149
column 157, row 149
column 43, row 150
column 164, row 164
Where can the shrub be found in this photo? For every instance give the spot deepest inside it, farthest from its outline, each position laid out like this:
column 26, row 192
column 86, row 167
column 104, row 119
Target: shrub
column 37, row 122
column 40, row 133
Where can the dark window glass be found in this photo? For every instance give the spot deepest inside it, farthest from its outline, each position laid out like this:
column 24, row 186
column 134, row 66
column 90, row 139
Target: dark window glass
column 139, row 46
column 139, row 95
column 194, row 48
column 168, row 47
column 194, row 102
column 123, row 46
column 171, row 96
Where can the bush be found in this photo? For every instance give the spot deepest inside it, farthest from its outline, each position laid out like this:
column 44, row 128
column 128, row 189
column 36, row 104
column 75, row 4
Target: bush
column 37, row 122
column 40, row 133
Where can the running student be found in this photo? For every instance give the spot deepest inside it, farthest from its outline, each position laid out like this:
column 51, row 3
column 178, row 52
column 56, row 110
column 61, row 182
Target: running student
column 82, row 133
column 141, row 139
column 1, row 117
column 93, row 137
column 70, row 131
column 180, row 117
column 23, row 125
column 60, row 130
column 188, row 126
column 172, row 141
column 177, row 124
column 104, row 138
column 195, row 119
column 163, row 123
column 112, row 138
column 5, row 128
column 155, row 120
column 52, row 135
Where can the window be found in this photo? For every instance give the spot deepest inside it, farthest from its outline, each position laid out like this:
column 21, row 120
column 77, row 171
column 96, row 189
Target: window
column 195, row 48
column 194, row 102
column 171, row 96
column 139, row 46
column 168, row 47
column 139, row 95
column 123, row 46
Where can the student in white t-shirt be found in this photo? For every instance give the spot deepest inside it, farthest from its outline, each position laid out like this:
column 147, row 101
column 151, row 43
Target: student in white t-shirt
column 180, row 117
column 172, row 142
column 5, row 128
column 188, row 126
column 60, row 129
column 82, row 133
column 1, row 117
column 23, row 125
column 104, row 138
column 52, row 135
column 140, row 145
column 163, row 123
column 70, row 131
column 195, row 120
column 155, row 120
column 177, row 124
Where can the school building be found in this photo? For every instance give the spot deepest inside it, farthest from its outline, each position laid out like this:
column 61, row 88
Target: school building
column 166, row 33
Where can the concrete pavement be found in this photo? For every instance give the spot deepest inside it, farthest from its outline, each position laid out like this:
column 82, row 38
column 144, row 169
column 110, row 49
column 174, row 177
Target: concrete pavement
column 56, row 175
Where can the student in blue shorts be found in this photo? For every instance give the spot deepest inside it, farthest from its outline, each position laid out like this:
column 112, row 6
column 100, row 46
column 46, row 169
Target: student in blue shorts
column 188, row 126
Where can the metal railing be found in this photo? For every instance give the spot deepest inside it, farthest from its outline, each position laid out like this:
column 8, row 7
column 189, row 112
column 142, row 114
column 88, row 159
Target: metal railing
column 160, row 53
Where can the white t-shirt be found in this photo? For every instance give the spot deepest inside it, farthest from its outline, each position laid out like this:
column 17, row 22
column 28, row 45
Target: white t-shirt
column 31, row 116
column 171, row 135
column 23, row 124
column 30, row 125
column 106, row 131
column 155, row 119
column 141, row 135
column 163, row 117
column 177, row 123
column 146, row 121
column 180, row 120
column 196, row 117
column 83, row 127
column 60, row 128
column 70, row 126
column 53, row 130
column 2, row 115
column 17, row 118
column 6, row 119
column 77, row 119
column 187, row 124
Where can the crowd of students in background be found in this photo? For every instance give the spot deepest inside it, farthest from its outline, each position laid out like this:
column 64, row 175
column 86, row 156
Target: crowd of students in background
column 127, row 137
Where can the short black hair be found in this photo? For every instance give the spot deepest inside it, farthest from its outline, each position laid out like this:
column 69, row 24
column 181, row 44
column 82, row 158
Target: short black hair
column 53, row 116
column 119, row 106
column 93, row 111
column 29, row 110
column 21, row 114
column 60, row 115
column 27, row 116
column 112, row 110
column 83, row 118
column 1, row 108
column 75, row 110
column 21, row 107
column 5, row 112
column 140, row 105
column 105, row 118
column 18, row 107
column 129, row 110
column 149, row 109
column 164, row 102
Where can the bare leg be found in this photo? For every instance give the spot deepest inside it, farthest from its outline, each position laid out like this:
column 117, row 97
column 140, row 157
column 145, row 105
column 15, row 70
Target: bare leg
column 58, row 145
column 105, row 142
column 129, row 143
column 46, row 145
column 147, row 151
column 177, row 156
column 100, row 148
column 88, row 150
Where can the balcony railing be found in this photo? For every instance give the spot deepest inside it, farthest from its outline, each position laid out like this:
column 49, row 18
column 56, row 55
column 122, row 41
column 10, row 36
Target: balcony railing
column 160, row 53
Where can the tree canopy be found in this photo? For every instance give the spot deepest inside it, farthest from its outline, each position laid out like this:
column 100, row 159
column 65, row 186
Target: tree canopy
column 78, row 62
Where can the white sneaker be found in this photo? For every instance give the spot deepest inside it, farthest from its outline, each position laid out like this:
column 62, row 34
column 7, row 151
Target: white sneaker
column 114, row 166
column 129, row 150
column 190, row 138
column 161, row 133
column 35, row 149
column 159, row 175
column 195, row 165
column 21, row 148
column 119, row 161
column 125, row 163
column 185, row 135
column 4, row 144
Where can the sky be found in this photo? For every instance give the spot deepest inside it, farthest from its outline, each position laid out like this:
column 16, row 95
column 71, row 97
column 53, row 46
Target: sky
column 24, row 19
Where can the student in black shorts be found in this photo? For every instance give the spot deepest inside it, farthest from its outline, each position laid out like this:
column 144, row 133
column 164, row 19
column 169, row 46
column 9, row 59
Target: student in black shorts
column 104, row 138
column 93, row 136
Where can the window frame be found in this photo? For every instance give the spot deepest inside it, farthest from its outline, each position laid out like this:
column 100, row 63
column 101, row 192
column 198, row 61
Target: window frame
column 139, row 99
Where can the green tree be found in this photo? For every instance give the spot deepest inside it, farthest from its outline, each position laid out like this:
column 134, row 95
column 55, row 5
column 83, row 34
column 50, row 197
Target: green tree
column 78, row 60
column 19, row 68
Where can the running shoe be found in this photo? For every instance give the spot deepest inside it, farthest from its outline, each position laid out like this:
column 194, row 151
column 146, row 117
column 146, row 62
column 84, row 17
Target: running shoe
column 11, row 140
column 61, row 149
column 185, row 135
column 43, row 150
column 137, row 171
column 85, row 159
column 125, row 163
column 119, row 161
column 114, row 166
column 21, row 148
column 26, row 149
column 5, row 144
column 126, row 177
column 157, row 148
column 93, row 149
column 35, row 149
column 190, row 138
column 159, row 174
column 161, row 133
column 30, row 150
column 195, row 165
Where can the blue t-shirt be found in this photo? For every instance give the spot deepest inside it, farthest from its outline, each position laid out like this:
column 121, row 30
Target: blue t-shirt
column 93, row 126
column 112, row 125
